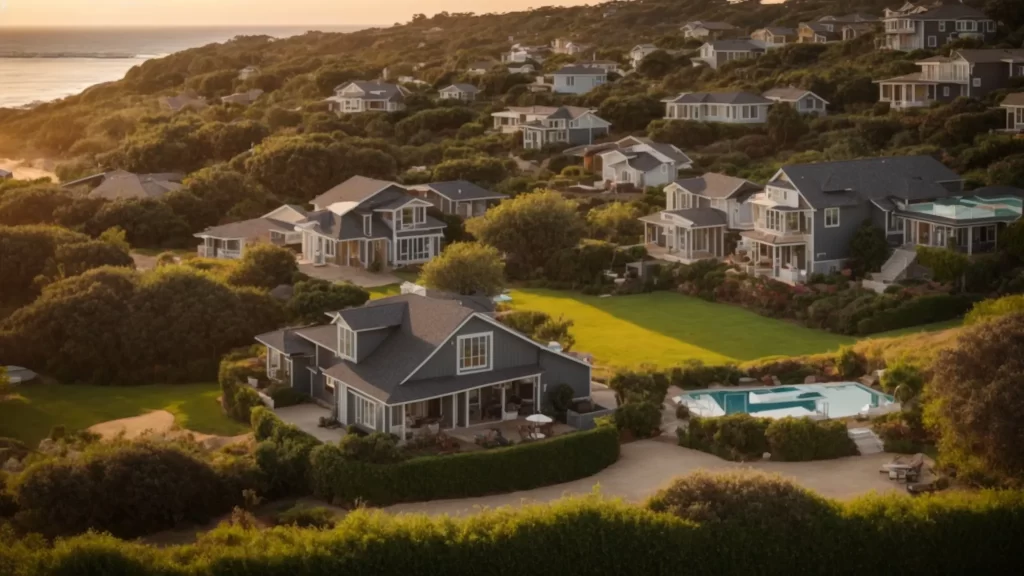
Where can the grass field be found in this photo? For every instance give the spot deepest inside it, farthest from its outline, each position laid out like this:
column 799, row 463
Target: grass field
column 38, row 407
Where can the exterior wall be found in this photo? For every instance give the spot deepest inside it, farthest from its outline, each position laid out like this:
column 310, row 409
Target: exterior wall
column 579, row 136
column 367, row 342
column 675, row 112
column 660, row 177
column 987, row 77
column 300, row 374
column 581, row 84
column 834, row 243
column 561, row 370
column 508, row 352
column 325, row 358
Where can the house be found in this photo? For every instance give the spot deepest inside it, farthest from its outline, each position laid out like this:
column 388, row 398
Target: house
column 521, row 69
column 856, row 30
column 774, row 36
column 718, row 52
column 727, row 107
column 458, row 197
column 609, row 66
column 360, row 96
column 543, row 125
column 575, row 79
column 463, row 92
column 248, row 72
column 698, row 214
column 805, row 101
column 639, row 52
column 915, row 27
column 570, row 47
column 230, row 240
column 519, row 54
column 1014, row 104
column 5, row 175
column 246, row 98
column 184, row 101
column 401, row 364
column 971, row 73
column 967, row 223
column 835, row 28
column 480, row 67
column 808, row 213
column 122, row 185
column 707, row 30
column 817, row 33
column 637, row 162
column 363, row 220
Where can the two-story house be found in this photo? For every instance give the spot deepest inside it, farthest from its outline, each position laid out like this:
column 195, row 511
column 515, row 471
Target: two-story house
column 458, row 197
column 363, row 220
column 412, row 363
column 639, row 52
column 774, row 36
column 698, row 213
column 972, row 73
column 708, row 30
column 461, row 92
column 375, row 96
column 916, row 27
column 570, row 47
column 576, row 79
column 640, row 162
column 719, row 52
column 808, row 213
column 1014, row 105
column 726, row 107
column 543, row 125
column 520, row 54
column 805, row 101
column 230, row 240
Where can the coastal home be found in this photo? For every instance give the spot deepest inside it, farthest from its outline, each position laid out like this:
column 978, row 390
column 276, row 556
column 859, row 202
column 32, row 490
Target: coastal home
column 363, row 220
column 519, row 54
column 462, row 92
column 774, row 36
column 640, row 163
column 480, row 67
column 230, row 240
column 917, row 27
column 727, row 107
column 639, row 52
column 360, row 96
column 698, row 213
column 817, row 33
column 521, row 69
column 542, row 125
column 248, row 72
column 576, row 79
column 246, row 98
column 1014, row 104
column 719, row 52
column 972, row 73
column 708, row 30
column 570, row 47
column 122, row 185
column 609, row 66
column 968, row 223
column 805, row 101
column 184, row 101
column 835, row 28
column 409, row 363
column 808, row 213
column 5, row 175
column 458, row 197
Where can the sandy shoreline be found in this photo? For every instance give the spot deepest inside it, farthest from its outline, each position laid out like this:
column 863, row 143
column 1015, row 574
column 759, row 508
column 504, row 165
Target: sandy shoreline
column 28, row 169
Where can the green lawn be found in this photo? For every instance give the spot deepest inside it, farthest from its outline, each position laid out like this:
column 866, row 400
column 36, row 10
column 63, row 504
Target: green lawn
column 923, row 328
column 37, row 408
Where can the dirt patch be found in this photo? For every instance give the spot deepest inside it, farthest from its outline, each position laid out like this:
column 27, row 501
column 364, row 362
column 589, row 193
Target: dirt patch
column 160, row 422
column 29, row 169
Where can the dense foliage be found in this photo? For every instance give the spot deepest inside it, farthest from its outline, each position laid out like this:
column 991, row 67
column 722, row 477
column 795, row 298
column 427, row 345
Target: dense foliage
column 466, row 268
column 745, row 437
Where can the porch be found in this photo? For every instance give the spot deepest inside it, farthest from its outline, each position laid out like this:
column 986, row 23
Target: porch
column 666, row 240
column 775, row 258
column 321, row 250
column 970, row 239
column 517, row 431
column 306, row 417
column 903, row 95
column 230, row 248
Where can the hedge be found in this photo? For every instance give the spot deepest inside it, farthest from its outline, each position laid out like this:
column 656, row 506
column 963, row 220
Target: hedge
column 745, row 437
column 520, row 467
column 918, row 311
column 949, row 533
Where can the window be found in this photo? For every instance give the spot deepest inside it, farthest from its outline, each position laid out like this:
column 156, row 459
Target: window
column 419, row 248
column 406, row 218
column 831, row 217
column 366, row 412
column 976, row 82
column 474, row 353
column 233, row 245
column 367, row 228
column 895, row 223
column 346, row 343
column 945, row 90
column 728, row 111
column 942, row 26
column 329, row 386
column 570, row 80
column 933, row 41
column 330, row 247
column 966, row 26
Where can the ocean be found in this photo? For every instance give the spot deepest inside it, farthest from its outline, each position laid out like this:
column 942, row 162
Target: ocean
column 38, row 65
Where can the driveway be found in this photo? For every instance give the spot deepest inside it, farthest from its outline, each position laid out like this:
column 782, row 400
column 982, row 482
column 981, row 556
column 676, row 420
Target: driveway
column 648, row 465
column 357, row 276
column 306, row 417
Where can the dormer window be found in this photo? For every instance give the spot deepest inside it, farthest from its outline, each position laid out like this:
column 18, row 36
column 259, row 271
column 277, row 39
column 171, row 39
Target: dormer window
column 474, row 352
column 346, row 343
column 367, row 225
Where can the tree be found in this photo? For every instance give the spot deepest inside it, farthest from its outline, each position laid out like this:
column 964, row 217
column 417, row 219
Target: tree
column 976, row 400
column 616, row 222
column 868, row 249
column 32, row 205
column 74, row 259
column 632, row 113
column 314, row 298
column 466, row 268
column 785, row 124
column 946, row 265
column 264, row 266
column 529, row 229
column 482, row 170
column 24, row 252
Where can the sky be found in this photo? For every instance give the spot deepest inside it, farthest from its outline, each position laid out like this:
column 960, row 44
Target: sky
column 243, row 12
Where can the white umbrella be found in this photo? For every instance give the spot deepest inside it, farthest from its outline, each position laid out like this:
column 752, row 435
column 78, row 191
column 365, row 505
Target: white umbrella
column 539, row 419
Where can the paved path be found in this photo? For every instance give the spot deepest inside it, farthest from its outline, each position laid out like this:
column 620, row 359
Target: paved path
column 353, row 274
column 648, row 465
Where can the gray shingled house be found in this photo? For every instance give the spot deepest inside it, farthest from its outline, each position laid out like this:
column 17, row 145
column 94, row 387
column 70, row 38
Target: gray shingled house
column 458, row 197
column 972, row 73
column 230, row 240
column 920, row 26
column 717, row 53
column 727, row 107
column 403, row 363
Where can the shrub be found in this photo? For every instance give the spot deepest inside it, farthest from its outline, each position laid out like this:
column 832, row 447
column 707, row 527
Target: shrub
column 803, row 439
column 521, row 467
column 849, row 363
column 376, row 448
column 918, row 311
column 282, row 454
column 682, row 412
column 560, row 398
column 735, row 437
column 302, row 516
column 242, row 403
column 903, row 376
column 744, row 437
column 897, row 436
column 284, row 396
column 639, row 419
column 695, row 374
column 644, row 385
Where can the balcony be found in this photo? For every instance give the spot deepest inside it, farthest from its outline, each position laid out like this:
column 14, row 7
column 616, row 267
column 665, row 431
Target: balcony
column 211, row 252
column 899, row 27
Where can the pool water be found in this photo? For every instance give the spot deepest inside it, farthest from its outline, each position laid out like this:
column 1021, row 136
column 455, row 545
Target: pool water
column 836, row 400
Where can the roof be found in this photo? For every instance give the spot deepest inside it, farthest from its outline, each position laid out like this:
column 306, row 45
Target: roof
column 325, row 335
column 719, row 98
column 715, row 185
column 850, row 182
column 445, row 385
column 254, row 228
column 1015, row 99
column 710, row 25
column 643, row 162
column 355, row 189
column 121, row 185
column 468, row 88
column 789, row 94
column 578, row 70
column 780, row 31
column 701, row 217
column 247, row 97
column 993, row 55
column 570, row 112
column 912, row 77
column 644, row 47
column 373, row 317
column 737, row 45
column 182, row 101
column 374, row 90
column 948, row 12
column 464, row 190
column 288, row 342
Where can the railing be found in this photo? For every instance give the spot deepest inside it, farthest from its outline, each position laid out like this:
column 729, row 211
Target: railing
column 231, row 254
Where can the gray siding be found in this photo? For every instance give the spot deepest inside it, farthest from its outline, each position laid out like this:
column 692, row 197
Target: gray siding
column 300, row 374
column 319, row 390
column 993, row 76
column 509, row 351
column 834, row 243
column 368, row 341
column 585, row 135
column 561, row 370
column 350, row 407
column 325, row 357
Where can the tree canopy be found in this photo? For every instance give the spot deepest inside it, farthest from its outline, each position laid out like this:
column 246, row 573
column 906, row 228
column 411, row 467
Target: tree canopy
column 466, row 268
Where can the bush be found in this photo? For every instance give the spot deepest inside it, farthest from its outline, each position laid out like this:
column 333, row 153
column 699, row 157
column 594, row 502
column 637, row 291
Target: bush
column 337, row 479
column 803, row 439
column 849, row 363
column 282, row 454
column 635, row 386
column 897, row 435
column 737, row 437
column 244, row 400
column 918, row 311
column 639, row 419
column 744, row 437
column 560, row 398
column 302, row 516
column 903, row 376
column 284, row 396
column 682, row 412
column 695, row 374
column 376, row 448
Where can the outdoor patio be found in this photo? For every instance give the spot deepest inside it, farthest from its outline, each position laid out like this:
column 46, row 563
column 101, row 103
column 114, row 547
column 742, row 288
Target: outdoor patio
column 306, row 417
column 509, row 429
column 353, row 274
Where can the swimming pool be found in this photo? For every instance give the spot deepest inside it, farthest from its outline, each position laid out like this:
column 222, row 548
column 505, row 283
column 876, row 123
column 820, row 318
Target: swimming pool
column 834, row 400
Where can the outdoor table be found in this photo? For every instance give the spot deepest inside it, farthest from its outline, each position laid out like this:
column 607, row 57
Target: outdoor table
column 539, row 419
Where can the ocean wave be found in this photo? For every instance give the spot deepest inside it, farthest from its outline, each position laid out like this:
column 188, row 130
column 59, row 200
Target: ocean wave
column 56, row 55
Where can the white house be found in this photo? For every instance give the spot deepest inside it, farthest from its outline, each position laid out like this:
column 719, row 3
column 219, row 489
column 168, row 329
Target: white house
column 609, row 66
column 717, row 53
column 705, row 30
column 1014, row 105
column 726, row 107
column 566, row 46
column 358, row 96
column 642, row 163
column 543, row 125
column 248, row 72
column 520, row 54
column 578, row 79
column 463, row 92
column 521, row 69
column 639, row 52
column 805, row 101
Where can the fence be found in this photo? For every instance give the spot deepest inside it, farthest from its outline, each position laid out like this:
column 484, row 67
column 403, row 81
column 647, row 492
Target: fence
column 586, row 421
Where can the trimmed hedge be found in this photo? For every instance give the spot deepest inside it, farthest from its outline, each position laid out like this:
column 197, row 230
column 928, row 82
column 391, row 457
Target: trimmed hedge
column 521, row 467
column 918, row 311
column 744, row 437
column 950, row 533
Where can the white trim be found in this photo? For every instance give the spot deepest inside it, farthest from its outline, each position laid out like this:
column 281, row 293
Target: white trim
column 431, row 355
column 495, row 383
column 360, row 405
column 341, row 343
column 459, row 370
column 523, row 337
column 825, row 218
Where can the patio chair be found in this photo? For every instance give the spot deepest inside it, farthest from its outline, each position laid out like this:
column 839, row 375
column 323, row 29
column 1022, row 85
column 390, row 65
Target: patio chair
column 524, row 433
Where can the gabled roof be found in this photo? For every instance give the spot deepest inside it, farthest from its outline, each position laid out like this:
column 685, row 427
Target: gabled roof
column 355, row 189
column 288, row 342
column 577, row 70
column 1015, row 99
column 643, row 161
column 467, row 88
column 701, row 217
column 718, row 98
column 372, row 317
column 709, row 25
column 736, row 45
column 790, row 94
column 780, row 31
column 644, row 47
column 482, row 65
column 992, row 55
column 949, row 12
column 374, row 90
column 461, row 190
column 718, row 186
column 564, row 112
column 121, row 185
column 255, row 228
column 851, row 182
